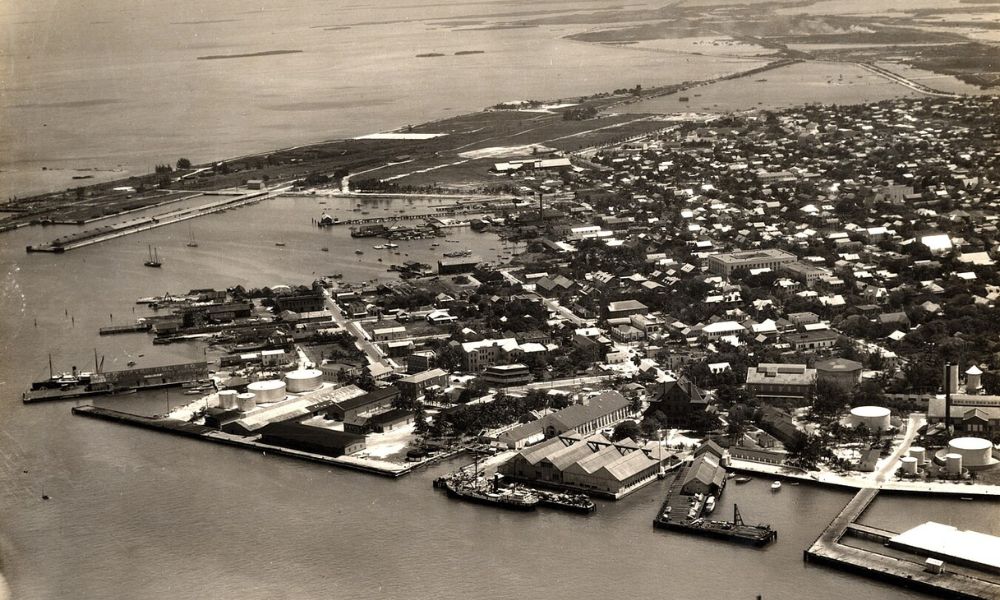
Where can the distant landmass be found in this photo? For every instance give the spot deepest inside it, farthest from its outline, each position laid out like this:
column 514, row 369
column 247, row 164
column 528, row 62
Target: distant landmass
column 248, row 55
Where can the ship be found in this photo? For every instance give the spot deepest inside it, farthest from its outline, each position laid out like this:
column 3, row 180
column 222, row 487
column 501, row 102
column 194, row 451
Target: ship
column 514, row 498
column 154, row 259
column 458, row 254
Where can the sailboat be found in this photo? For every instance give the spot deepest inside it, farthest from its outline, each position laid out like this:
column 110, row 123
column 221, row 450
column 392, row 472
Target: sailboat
column 154, row 259
column 192, row 243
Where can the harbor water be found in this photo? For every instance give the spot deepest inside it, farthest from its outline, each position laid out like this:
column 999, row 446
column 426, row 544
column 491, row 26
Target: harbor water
column 138, row 514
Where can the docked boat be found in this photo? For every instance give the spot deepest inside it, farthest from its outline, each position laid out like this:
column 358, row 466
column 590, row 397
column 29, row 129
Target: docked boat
column 514, row 498
column 775, row 486
column 709, row 505
column 578, row 503
column 742, row 478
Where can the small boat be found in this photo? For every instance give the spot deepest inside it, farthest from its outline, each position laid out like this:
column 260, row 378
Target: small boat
column 325, row 249
column 154, row 259
column 358, row 252
column 775, row 486
column 280, row 244
column 130, row 363
column 743, row 478
column 709, row 505
column 730, row 475
column 45, row 496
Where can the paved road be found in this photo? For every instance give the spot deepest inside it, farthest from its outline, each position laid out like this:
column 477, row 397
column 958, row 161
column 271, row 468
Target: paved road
column 914, row 423
column 371, row 350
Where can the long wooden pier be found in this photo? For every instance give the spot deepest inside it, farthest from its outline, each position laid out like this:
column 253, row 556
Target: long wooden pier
column 827, row 550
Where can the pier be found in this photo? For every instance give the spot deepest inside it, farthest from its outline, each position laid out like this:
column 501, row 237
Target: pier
column 828, row 550
column 207, row 434
column 121, row 229
column 683, row 514
column 130, row 328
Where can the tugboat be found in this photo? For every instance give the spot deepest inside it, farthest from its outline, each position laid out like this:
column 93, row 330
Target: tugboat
column 154, row 259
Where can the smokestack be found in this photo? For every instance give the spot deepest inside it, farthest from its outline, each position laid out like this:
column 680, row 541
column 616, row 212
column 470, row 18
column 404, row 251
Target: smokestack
column 541, row 213
column 950, row 380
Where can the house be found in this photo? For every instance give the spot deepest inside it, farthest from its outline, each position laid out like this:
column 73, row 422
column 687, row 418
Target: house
column 726, row 264
column 705, row 476
column 506, row 375
column 412, row 386
column 625, row 308
column 812, row 340
column 676, row 403
column 771, row 381
column 592, row 464
column 604, row 410
column 973, row 415
column 312, row 439
column 369, row 403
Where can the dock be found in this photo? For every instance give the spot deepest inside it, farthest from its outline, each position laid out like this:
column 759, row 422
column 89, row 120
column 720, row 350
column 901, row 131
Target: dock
column 828, row 550
column 129, row 328
column 207, row 434
column 124, row 228
column 117, row 382
column 684, row 514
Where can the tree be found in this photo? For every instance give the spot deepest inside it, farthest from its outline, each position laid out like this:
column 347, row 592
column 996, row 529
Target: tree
column 626, row 429
column 183, row 163
column 419, row 419
column 829, row 398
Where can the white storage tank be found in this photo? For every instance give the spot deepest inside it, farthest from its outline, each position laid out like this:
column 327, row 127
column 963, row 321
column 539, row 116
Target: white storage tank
column 304, row 380
column 953, row 463
column 972, row 379
column 876, row 418
column 919, row 453
column 227, row 399
column 909, row 464
column 246, row 402
column 271, row 390
column 975, row 452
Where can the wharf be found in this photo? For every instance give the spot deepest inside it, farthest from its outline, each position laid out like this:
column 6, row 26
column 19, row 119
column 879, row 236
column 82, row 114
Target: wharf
column 827, row 550
column 207, row 434
column 683, row 514
column 121, row 229
column 130, row 328
column 411, row 217
column 116, row 382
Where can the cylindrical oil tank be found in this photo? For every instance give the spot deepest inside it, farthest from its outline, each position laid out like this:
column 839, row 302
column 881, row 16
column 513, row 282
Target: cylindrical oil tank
column 303, row 380
column 246, row 402
column 271, row 390
column 919, row 453
column 953, row 463
column 975, row 452
column 227, row 399
column 909, row 465
column 876, row 418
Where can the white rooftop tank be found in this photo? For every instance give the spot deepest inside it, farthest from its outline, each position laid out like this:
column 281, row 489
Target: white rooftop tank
column 919, row 453
column 909, row 465
column 953, row 463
